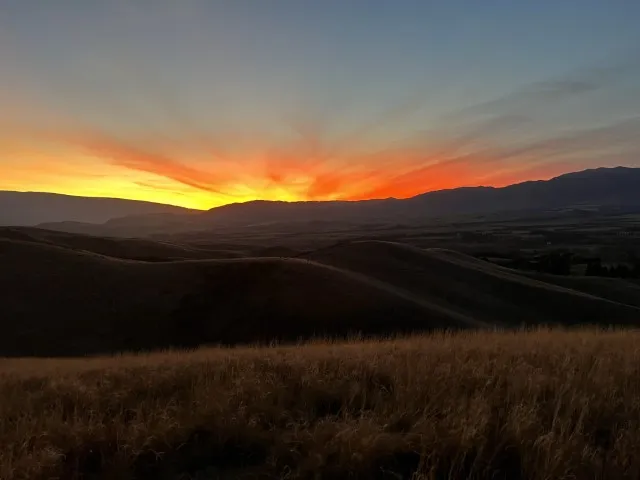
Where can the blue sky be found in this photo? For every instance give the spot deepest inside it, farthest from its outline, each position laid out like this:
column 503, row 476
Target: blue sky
column 221, row 101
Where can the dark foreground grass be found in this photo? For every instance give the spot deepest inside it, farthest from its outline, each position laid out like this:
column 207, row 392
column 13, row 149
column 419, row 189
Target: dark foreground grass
column 537, row 405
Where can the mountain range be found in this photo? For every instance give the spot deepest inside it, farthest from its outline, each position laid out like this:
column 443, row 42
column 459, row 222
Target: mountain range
column 589, row 189
column 33, row 208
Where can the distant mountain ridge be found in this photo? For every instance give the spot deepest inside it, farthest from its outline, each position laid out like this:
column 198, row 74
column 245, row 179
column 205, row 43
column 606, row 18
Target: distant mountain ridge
column 33, row 208
column 597, row 188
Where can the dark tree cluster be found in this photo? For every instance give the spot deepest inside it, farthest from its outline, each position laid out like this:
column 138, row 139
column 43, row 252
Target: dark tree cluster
column 621, row 270
column 556, row 263
column 561, row 262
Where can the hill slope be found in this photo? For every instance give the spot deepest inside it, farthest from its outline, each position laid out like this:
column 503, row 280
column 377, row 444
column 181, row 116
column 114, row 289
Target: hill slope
column 475, row 288
column 123, row 248
column 61, row 301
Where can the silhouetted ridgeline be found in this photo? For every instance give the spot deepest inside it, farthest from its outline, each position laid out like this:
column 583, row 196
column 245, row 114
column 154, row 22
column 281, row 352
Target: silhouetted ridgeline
column 32, row 208
column 591, row 189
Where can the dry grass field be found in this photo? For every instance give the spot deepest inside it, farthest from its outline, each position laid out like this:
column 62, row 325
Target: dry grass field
column 544, row 404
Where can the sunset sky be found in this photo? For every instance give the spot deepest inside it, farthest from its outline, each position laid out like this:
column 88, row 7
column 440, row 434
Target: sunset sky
column 203, row 102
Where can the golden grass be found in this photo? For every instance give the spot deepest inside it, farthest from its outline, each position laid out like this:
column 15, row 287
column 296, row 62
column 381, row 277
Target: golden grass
column 535, row 405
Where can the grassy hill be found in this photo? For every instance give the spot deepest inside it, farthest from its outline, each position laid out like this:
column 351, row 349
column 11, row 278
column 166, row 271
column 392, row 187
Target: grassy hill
column 622, row 291
column 124, row 248
column 64, row 302
column 63, row 295
column 502, row 406
column 482, row 290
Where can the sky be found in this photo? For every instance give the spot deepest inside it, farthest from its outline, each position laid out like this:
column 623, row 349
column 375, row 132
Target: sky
column 201, row 103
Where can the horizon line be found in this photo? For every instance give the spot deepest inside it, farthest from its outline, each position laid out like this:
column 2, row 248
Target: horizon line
column 312, row 201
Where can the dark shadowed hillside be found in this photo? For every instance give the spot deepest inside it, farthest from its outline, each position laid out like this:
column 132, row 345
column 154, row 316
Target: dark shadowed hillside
column 62, row 302
column 615, row 289
column 472, row 287
column 58, row 300
column 123, row 248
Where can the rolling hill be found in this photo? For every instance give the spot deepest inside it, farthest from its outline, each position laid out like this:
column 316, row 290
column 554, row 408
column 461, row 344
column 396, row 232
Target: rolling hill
column 475, row 288
column 61, row 298
column 602, row 188
column 122, row 248
column 58, row 301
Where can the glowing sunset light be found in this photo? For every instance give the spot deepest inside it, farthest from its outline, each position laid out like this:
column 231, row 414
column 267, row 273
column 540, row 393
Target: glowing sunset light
column 208, row 103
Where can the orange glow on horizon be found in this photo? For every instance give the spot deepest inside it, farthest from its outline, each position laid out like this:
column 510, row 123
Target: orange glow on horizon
column 84, row 162
column 177, row 184
column 96, row 165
